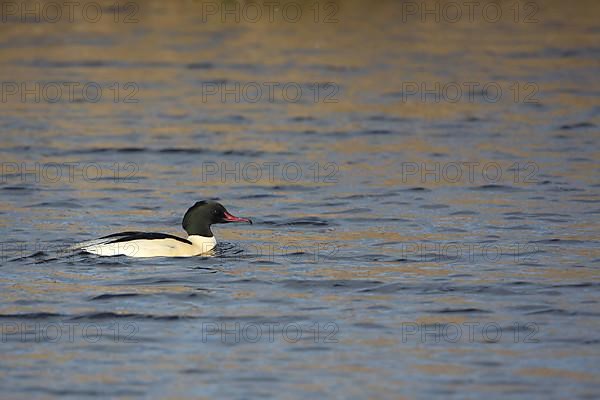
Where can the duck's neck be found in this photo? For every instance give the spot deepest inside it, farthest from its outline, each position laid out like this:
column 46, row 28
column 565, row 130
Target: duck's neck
column 203, row 243
column 199, row 229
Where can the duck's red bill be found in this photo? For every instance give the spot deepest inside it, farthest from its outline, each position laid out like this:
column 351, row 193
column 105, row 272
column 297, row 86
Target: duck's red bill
column 233, row 218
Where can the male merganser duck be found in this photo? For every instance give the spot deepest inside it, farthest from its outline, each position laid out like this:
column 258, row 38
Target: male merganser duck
column 196, row 222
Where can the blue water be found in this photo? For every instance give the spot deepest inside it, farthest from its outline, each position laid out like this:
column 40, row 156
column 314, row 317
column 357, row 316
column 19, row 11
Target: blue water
column 404, row 245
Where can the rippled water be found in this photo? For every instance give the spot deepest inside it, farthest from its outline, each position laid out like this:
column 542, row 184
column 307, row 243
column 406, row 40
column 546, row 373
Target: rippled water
column 404, row 246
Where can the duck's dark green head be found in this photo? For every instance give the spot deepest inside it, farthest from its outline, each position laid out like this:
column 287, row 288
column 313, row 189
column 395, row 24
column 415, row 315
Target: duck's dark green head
column 198, row 219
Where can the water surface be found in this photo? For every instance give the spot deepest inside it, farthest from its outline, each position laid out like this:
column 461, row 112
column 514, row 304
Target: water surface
column 403, row 247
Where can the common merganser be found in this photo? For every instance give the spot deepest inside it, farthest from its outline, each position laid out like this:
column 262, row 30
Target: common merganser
column 196, row 222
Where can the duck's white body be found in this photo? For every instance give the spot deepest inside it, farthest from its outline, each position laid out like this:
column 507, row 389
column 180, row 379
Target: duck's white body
column 156, row 247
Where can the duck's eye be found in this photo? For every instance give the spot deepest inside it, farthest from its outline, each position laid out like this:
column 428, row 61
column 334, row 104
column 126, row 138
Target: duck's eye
column 215, row 212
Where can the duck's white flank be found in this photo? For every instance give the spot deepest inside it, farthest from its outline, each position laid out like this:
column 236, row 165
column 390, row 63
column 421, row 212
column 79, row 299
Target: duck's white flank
column 154, row 247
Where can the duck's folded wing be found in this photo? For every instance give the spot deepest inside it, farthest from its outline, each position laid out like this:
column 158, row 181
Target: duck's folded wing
column 103, row 240
column 128, row 236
